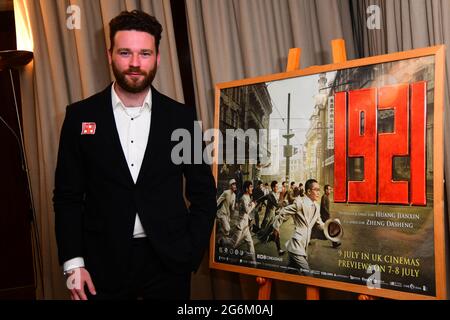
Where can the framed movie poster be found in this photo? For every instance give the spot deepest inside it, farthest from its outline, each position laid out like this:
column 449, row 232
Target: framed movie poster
column 332, row 176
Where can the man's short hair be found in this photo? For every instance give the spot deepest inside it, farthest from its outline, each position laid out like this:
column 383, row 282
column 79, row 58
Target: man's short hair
column 273, row 184
column 309, row 184
column 258, row 183
column 135, row 20
column 246, row 185
column 326, row 187
column 292, row 183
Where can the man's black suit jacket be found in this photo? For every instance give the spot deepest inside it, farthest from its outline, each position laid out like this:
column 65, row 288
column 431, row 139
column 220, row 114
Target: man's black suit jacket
column 96, row 199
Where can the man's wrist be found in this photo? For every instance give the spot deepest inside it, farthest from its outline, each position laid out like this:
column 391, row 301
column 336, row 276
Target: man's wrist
column 74, row 263
column 69, row 272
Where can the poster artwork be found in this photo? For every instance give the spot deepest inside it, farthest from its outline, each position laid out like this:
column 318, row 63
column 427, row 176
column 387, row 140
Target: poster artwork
column 365, row 135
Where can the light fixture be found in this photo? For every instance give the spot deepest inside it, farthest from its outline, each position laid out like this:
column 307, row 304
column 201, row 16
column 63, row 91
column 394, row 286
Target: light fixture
column 10, row 59
column 14, row 59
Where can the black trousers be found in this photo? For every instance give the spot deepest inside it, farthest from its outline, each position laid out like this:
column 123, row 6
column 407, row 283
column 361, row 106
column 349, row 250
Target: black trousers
column 148, row 279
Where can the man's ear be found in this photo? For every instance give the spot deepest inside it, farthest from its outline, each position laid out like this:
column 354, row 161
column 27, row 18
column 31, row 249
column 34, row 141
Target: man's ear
column 158, row 58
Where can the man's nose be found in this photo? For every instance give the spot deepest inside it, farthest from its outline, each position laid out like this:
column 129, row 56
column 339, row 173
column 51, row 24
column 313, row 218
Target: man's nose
column 135, row 60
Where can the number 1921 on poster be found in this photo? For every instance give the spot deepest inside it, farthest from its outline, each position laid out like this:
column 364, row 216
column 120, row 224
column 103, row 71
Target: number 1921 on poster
column 356, row 136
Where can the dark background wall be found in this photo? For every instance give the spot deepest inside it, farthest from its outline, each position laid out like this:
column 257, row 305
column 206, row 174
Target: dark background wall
column 16, row 260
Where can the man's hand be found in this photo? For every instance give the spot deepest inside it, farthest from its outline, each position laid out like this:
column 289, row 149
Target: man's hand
column 76, row 280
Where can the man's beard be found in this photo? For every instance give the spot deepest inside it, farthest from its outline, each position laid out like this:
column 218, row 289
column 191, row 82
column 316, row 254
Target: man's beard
column 131, row 86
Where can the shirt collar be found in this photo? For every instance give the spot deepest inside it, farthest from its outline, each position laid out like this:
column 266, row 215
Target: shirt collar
column 307, row 201
column 116, row 102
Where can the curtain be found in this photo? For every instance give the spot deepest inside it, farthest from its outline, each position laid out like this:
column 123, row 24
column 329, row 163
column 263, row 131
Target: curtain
column 406, row 25
column 70, row 65
column 245, row 38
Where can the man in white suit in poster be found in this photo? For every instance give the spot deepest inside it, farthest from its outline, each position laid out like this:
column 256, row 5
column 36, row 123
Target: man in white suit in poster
column 305, row 213
column 246, row 215
column 225, row 210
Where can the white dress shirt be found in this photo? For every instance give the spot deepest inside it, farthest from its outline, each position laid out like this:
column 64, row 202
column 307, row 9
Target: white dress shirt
column 133, row 126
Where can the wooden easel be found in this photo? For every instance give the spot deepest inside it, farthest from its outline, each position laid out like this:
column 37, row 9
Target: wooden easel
column 339, row 56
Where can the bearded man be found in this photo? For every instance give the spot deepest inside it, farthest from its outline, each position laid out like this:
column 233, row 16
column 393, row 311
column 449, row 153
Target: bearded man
column 120, row 233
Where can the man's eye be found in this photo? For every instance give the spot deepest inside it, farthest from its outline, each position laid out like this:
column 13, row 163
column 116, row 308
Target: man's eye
column 124, row 53
column 146, row 54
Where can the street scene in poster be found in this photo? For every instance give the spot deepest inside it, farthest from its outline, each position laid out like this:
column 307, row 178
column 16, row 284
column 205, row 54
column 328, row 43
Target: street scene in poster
column 337, row 182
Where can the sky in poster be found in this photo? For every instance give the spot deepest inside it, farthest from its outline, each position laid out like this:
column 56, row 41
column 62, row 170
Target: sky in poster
column 302, row 90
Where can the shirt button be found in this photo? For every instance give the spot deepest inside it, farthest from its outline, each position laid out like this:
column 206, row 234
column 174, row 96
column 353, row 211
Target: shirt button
column 132, row 119
column 132, row 165
column 132, row 141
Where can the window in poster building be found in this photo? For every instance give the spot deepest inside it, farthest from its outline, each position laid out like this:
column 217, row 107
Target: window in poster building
column 359, row 148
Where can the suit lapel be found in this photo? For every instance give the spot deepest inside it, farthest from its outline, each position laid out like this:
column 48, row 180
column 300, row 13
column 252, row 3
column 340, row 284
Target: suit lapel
column 158, row 139
column 313, row 212
column 112, row 136
column 309, row 213
column 302, row 211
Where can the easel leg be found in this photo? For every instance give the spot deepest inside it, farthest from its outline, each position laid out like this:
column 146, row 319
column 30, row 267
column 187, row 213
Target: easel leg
column 265, row 287
column 365, row 297
column 312, row 293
